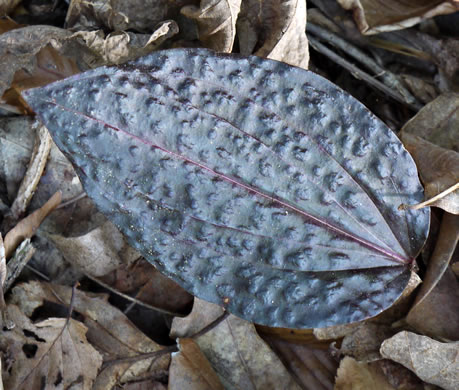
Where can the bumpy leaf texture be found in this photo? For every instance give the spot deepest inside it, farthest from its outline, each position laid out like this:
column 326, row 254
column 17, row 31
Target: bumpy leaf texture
column 255, row 185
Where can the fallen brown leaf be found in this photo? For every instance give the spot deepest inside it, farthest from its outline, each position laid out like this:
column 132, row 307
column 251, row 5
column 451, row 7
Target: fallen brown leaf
column 7, row 6
column 353, row 375
column 52, row 353
column 376, row 16
column 234, row 349
column 27, row 227
column 191, row 370
column 430, row 360
column 437, row 122
column 313, row 369
column 439, row 170
column 109, row 331
column 278, row 29
column 216, row 20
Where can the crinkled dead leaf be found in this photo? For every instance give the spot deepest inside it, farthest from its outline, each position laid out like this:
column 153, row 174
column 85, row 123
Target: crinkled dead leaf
column 275, row 30
column 216, row 20
column 149, row 286
column 51, row 354
column 437, row 122
column 27, row 227
column 439, row 171
column 422, row 89
column 313, row 369
column 442, row 304
column 120, row 46
column 109, row 330
column 191, row 370
column 96, row 253
column 236, row 352
column 376, row 16
column 139, row 15
column 430, row 360
column 353, row 375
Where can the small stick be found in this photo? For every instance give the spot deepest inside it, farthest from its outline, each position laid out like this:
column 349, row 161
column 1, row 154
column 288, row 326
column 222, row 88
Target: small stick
column 428, row 202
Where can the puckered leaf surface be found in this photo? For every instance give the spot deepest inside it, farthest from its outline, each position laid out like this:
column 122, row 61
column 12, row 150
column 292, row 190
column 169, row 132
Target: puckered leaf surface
column 255, row 185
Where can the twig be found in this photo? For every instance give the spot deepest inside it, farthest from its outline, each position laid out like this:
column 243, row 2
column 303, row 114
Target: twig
column 33, row 174
column 429, row 202
column 172, row 348
column 72, row 200
column 132, row 299
column 358, row 73
column 388, row 78
column 20, row 258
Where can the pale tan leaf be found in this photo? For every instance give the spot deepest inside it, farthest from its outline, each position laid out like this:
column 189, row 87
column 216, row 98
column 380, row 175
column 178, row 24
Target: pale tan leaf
column 288, row 42
column 376, row 16
column 234, row 349
column 437, row 122
column 353, row 375
column 27, row 227
column 439, row 170
column 120, row 46
column 430, row 360
column 53, row 351
column 96, row 253
column 109, row 330
column 191, row 370
column 216, row 21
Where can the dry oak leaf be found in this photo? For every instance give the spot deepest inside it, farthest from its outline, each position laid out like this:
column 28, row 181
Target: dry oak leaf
column 430, row 360
column 54, row 351
column 216, row 20
column 439, row 171
column 237, row 353
column 376, row 16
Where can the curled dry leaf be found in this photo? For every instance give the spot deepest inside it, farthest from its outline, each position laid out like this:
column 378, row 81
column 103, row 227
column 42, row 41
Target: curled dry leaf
column 430, row 360
column 353, row 375
column 438, row 325
column 277, row 29
column 95, row 253
column 191, row 370
column 139, row 15
column 437, row 122
column 121, row 46
column 236, row 352
column 439, row 171
column 27, row 227
column 51, row 354
column 109, row 330
column 216, row 21
column 376, row 16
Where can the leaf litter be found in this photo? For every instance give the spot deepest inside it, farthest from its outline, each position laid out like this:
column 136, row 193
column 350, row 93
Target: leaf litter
column 261, row 28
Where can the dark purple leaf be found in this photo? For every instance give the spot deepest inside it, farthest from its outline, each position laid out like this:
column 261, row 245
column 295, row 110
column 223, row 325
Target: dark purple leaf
column 255, row 185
